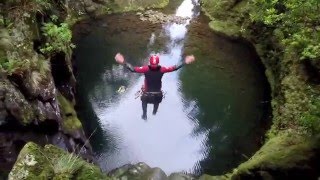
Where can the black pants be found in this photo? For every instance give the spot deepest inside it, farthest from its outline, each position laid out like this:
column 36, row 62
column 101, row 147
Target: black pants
column 154, row 98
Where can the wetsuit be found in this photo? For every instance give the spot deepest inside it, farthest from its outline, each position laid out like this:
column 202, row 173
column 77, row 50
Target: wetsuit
column 152, row 84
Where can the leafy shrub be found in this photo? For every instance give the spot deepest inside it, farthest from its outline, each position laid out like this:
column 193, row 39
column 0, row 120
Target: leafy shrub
column 14, row 64
column 58, row 39
column 297, row 20
column 11, row 64
column 311, row 119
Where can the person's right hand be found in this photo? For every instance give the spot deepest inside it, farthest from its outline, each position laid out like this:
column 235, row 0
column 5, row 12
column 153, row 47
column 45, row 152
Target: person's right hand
column 189, row 59
column 119, row 58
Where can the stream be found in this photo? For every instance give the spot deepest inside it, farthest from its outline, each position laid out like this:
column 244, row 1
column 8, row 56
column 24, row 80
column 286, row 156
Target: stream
column 214, row 113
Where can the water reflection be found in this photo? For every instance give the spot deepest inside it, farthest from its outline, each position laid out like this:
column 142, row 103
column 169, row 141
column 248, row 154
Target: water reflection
column 165, row 140
column 200, row 125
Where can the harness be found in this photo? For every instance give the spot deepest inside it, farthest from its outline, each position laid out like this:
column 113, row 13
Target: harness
column 153, row 84
column 142, row 93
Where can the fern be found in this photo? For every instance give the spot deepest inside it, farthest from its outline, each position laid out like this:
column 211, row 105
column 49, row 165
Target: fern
column 58, row 39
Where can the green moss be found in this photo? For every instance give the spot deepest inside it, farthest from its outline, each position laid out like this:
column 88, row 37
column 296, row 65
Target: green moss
column 27, row 115
column 225, row 27
column 50, row 162
column 127, row 5
column 70, row 121
column 31, row 164
column 295, row 104
column 208, row 177
column 284, row 151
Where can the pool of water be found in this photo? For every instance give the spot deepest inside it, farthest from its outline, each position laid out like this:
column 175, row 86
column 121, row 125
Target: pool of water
column 214, row 112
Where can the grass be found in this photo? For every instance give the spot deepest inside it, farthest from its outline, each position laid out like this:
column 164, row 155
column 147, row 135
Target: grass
column 66, row 165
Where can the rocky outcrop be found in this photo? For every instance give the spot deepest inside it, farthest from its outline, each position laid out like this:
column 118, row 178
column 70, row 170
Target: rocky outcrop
column 291, row 149
column 142, row 171
column 50, row 162
column 37, row 87
column 29, row 107
column 158, row 17
column 99, row 7
column 42, row 107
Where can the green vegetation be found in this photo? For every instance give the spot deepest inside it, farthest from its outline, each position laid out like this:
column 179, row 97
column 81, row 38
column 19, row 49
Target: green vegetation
column 286, row 35
column 283, row 152
column 134, row 5
column 50, row 162
column 70, row 121
column 58, row 38
column 14, row 64
column 296, row 34
column 16, row 35
column 310, row 119
column 296, row 23
column 20, row 8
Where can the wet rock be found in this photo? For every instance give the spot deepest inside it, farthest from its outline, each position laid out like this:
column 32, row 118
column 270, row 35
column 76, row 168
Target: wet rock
column 46, row 111
column 17, row 105
column 3, row 116
column 71, row 125
column 180, row 176
column 39, row 85
column 158, row 17
column 155, row 174
column 90, row 9
column 139, row 171
column 23, row 110
column 133, row 169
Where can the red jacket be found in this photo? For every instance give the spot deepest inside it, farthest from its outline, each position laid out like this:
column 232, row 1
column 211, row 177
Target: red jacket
column 153, row 76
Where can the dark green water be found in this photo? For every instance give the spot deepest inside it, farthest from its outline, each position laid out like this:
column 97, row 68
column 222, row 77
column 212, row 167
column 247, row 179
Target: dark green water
column 212, row 118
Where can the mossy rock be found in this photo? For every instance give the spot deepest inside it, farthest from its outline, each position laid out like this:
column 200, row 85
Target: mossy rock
column 70, row 121
column 16, row 103
column 128, row 5
column 139, row 171
column 227, row 28
column 50, row 162
column 288, row 150
column 208, row 177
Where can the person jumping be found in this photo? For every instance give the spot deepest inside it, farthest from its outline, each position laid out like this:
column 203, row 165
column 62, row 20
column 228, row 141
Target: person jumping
column 151, row 90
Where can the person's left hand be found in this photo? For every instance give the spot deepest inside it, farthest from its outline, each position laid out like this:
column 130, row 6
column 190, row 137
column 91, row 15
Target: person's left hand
column 119, row 58
column 189, row 59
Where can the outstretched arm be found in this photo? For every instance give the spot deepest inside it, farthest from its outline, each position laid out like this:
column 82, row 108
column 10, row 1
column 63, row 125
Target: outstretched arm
column 120, row 59
column 188, row 60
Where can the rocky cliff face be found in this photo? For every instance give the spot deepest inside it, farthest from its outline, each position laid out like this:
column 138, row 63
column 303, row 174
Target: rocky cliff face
column 29, row 107
column 36, row 78
column 291, row 148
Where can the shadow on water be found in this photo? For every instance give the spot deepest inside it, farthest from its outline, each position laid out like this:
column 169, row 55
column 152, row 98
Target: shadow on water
column 214, row 113
column 235, row 107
